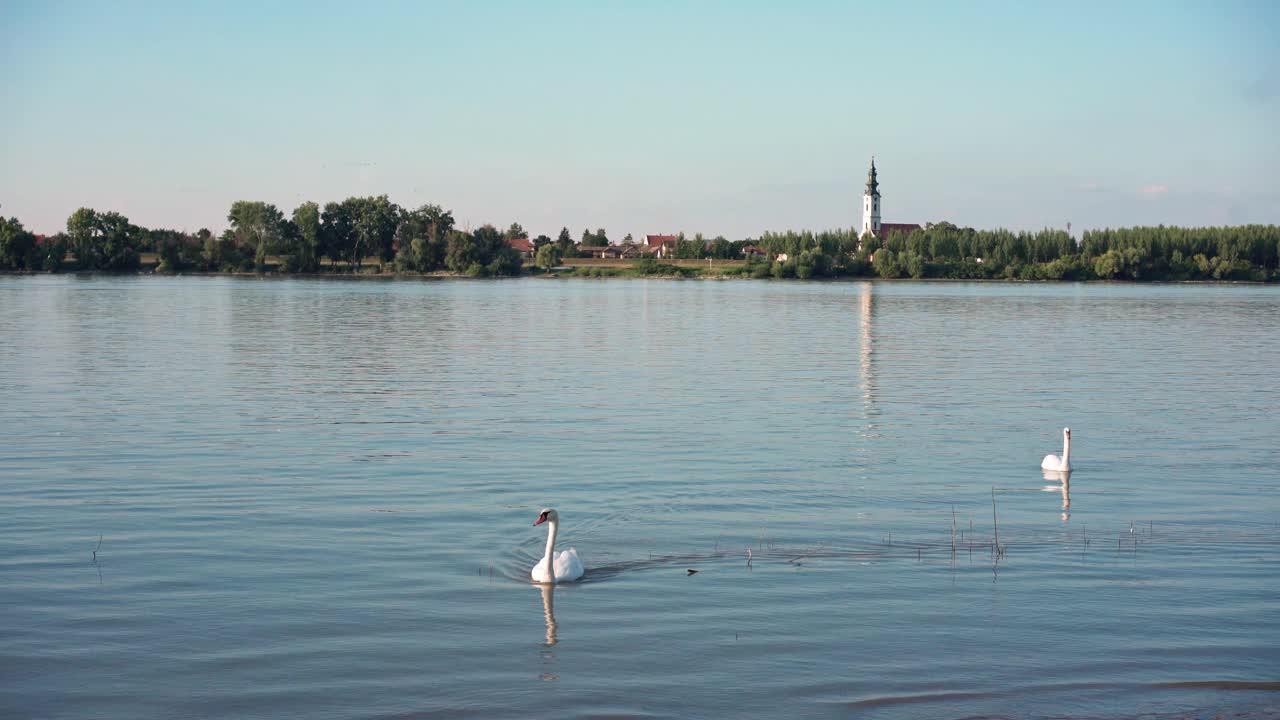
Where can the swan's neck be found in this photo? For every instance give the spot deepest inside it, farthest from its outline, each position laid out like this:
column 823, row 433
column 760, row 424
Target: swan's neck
column 551, row 545
column 1066, row 450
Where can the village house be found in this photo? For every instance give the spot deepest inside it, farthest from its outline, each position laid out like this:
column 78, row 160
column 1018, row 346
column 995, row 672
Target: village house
column 597, row 251
column 904, row 228
column 631, row 250
column 522, row 245
column 663, row 246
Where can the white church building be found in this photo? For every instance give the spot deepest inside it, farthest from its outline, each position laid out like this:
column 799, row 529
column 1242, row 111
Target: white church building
column 871, row 224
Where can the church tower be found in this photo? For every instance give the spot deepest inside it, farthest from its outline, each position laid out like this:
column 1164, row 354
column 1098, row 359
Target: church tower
column 871, row 204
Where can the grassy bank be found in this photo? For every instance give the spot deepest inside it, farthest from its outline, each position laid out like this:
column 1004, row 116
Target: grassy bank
column 639, row 268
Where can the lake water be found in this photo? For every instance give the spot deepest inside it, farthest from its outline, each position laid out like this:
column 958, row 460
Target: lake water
column 227, row 498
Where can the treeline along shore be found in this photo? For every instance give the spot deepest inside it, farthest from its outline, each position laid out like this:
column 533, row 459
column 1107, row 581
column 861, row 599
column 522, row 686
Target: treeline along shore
column 372, row 235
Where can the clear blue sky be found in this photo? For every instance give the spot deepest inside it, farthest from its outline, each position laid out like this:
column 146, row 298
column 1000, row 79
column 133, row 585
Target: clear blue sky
column 717, row 117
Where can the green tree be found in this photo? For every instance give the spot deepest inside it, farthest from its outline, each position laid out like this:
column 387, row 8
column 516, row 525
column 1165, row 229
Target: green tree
column 422, row 238
column 376, row 221
column 915, row 266
column 337, row 230
column 690, row 249
column 259, row 229
column 515, row 232
column 1109, row 265
column 945, row 250
column 565, row 242
column 482, row 253
column 210, row 250
column 886, row 264
column 177, row 251
column 548, row 256
column 303, row 254
column 16, row 244
column 103, row 241
column 52, row 252
column 359, row 227
column 228, row 254
column 813, row 263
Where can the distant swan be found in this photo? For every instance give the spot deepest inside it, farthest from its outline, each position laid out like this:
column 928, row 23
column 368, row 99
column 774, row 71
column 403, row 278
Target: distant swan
column 1053, row 462
column 566, row 565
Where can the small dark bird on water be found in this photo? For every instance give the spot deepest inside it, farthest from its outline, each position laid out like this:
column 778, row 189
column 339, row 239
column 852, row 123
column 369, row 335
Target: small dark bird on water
column 692, row 572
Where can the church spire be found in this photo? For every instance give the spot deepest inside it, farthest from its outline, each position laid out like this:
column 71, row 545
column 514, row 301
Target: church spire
column 871, row 203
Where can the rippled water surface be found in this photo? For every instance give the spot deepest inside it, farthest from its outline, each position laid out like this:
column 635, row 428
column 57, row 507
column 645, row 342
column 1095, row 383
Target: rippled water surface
column 233, row 498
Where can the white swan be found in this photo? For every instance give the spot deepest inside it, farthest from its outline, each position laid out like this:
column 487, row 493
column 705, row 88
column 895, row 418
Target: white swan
column 555, row 567
column 1053, row 462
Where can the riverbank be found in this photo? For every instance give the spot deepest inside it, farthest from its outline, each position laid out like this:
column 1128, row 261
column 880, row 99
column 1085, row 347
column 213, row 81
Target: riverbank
column 614, row 268
column 424, row 242
column 553, row 276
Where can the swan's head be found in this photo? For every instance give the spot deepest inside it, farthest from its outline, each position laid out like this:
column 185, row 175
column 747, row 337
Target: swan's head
column 547, row 515
column 1066, row 433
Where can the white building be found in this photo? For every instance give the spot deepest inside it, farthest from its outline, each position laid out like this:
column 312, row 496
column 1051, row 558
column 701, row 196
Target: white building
column 871, row 224
column 871, row 203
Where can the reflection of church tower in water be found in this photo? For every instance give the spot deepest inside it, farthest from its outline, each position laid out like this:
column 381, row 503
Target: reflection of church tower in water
column 865, row 347
column 871, row 204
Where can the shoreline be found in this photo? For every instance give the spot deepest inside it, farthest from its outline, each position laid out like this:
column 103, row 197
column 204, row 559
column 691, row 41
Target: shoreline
column 445, row 276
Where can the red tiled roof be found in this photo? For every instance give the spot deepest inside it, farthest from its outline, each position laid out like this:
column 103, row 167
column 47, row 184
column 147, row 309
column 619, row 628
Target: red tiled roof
column 904, row 228
column 652, row 240
column 521, row 244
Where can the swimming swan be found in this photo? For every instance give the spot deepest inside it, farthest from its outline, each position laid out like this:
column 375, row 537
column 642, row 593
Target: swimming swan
column 1053, row 462
column 566, row 564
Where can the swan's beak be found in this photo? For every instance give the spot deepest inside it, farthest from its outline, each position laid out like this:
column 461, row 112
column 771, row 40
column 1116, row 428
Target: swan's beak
column 540, row 520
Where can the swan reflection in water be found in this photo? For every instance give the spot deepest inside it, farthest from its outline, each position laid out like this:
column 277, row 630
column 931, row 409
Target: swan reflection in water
column 549, row 611
column 1057, row 476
